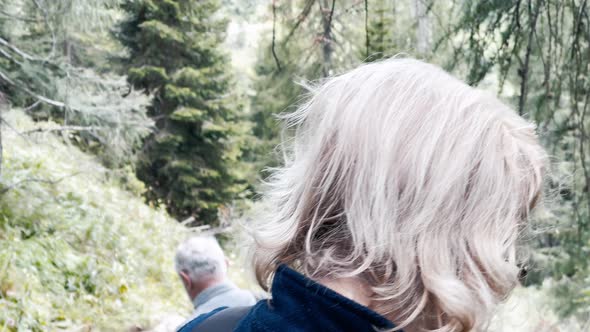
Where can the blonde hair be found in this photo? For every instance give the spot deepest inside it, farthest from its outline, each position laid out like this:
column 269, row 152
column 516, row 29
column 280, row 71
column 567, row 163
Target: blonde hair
column 417, row 184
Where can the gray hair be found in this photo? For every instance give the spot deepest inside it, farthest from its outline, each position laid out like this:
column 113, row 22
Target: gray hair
column 200, row 257
column 404, row 177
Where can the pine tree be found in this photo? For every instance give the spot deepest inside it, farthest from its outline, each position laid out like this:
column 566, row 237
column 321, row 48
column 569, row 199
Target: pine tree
column 379, row 38
column 191, row 163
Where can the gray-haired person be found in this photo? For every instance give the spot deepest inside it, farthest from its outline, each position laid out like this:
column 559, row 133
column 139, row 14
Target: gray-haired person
column 202, row 268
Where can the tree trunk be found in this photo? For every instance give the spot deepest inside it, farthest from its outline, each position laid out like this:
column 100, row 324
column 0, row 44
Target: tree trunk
column 2, row 104
column 327, row 11
column 424, row 30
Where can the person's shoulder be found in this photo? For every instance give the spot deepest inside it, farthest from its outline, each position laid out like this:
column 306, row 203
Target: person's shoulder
column 220, row 320
column 194, row 321
column 242, row 297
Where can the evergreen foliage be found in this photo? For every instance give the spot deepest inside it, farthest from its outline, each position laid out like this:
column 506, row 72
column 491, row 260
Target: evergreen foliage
column 379, row 38
column 192, row 163
column 53, row 62
column 537, row 55
column 276, row 93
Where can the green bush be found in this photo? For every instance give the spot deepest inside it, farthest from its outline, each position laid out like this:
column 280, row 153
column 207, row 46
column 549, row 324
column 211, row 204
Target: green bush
column 76, row 251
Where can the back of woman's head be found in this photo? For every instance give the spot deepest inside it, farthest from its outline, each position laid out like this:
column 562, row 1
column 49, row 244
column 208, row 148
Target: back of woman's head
column 417, row 184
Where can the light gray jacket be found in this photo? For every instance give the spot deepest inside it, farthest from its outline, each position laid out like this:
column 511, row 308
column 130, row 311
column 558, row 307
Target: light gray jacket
column 225, row 294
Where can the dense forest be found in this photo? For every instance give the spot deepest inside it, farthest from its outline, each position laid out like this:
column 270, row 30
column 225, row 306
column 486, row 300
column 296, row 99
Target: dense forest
column 128, row 124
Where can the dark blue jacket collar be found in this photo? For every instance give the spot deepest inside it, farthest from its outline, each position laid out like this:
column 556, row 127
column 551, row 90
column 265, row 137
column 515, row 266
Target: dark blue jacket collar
column 300, row 304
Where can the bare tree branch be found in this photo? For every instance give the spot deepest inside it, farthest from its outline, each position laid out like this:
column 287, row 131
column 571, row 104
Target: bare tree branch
column 302, row 17
column 31, row 93
column 60, row 129
column 524, row 70
column 19, row 18
column 6, row 79
column 327, row 36
column 47, row 181
column 274, row 23
column 15, row 49
column 331, row 14
column 33, row 105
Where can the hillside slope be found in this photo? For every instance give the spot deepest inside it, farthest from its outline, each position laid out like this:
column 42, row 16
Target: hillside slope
column 77, row 252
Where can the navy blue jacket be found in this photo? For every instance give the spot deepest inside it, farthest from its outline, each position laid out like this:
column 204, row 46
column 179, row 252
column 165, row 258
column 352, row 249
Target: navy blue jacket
column 300, row 304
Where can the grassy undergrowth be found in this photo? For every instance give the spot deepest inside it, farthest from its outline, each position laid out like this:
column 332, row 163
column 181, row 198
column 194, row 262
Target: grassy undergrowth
column 77, row 252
